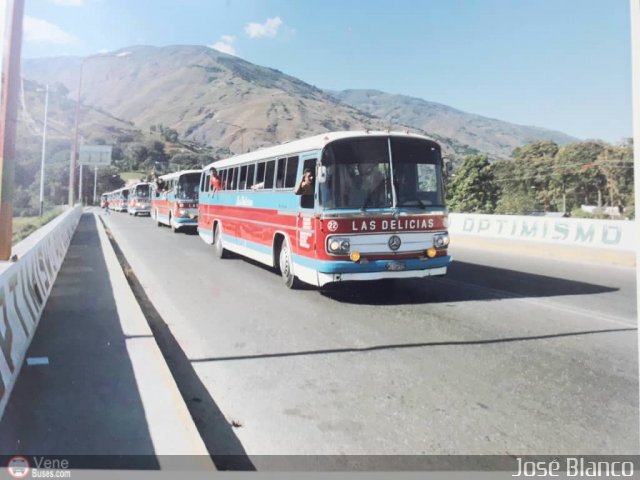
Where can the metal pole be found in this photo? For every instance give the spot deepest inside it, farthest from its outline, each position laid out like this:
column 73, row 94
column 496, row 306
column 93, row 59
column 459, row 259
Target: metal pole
column 8, row 119
column 80, row 186
column 95, row 183
column 44, row 149
column 74, row 145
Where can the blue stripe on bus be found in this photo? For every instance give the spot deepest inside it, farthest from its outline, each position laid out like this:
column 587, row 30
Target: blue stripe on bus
column 342, row 266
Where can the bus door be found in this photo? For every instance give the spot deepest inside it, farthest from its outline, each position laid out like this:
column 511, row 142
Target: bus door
column 306, row 221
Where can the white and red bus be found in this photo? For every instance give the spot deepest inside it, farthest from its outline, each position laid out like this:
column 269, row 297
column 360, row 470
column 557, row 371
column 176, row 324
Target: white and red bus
column 174, row 200
column 139, row 200
column 375, row 211
column 118, row 199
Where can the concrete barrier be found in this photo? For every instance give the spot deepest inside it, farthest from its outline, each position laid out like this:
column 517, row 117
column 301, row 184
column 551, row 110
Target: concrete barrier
column 615, row 235
column 24, row 288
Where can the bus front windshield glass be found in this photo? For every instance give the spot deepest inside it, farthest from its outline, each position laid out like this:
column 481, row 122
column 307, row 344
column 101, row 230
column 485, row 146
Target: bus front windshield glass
column 188, row 186
column 359, row 174
column 142, row 191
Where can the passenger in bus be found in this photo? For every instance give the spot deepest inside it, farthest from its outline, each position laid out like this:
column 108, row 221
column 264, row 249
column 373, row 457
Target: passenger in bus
column 216, row 184
column 160, row 185
column 307, row 185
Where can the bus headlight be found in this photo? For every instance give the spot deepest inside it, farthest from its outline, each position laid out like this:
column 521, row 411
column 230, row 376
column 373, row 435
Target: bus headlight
column 182, row 212
column 339, row 245
column 441, row 240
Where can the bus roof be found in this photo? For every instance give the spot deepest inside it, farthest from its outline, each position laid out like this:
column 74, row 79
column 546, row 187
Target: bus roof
column 170, row 176
column 316, row 142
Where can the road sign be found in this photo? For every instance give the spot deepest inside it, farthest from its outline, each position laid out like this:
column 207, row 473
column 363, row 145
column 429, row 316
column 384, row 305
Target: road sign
column 95, row 155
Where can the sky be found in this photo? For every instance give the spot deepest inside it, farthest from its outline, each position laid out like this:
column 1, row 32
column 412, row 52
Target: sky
column 558, row 64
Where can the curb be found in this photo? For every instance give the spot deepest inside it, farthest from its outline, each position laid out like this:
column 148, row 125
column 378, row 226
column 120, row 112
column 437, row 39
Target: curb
column 171, row 427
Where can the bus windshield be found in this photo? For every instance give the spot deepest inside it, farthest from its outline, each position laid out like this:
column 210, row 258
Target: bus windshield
column 142, row 191
column 188, row 186
column 359, row 174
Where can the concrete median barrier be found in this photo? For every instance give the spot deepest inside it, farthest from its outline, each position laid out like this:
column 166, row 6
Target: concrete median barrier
column 613, row 241
column 24, row 288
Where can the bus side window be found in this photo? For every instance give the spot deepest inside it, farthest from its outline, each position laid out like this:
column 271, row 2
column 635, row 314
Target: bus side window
column 306, row 201
column 268, row 179
column 251, row 171
column 243, row 178
column 282, row 166
column 292, row 172
column 207, row 182
column 260, row 175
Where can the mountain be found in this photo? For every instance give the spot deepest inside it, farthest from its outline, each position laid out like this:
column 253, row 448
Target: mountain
column 488, row 135
column 199, row 91
column 226, row 102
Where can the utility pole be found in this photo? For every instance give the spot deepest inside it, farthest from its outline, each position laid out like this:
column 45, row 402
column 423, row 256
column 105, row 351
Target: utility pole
column 12, row 40
column 95, row 183
column 44, row 149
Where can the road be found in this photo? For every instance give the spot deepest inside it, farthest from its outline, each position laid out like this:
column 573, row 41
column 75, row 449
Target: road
column 506, row 355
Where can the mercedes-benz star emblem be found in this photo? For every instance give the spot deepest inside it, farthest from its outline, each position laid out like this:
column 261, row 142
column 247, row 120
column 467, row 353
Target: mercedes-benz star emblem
column 394, row 242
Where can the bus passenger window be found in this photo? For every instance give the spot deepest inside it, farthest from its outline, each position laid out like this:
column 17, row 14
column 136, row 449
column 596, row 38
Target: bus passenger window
column 292, row 172
column 243, row 178
column 282, row 166
column 207, row 182
column 260, row 174
column 223, row 179
column 232, row 178
column 306, row 201
column 268, row 179
column 250, row 174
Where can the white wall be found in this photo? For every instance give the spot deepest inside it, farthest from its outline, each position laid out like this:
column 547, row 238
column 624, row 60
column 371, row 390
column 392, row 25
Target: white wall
column 24, row 288
column 607, row 234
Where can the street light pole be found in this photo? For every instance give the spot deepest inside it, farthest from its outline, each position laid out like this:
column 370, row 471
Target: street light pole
column 44, row 149
column 241, row 129
column 74, row 146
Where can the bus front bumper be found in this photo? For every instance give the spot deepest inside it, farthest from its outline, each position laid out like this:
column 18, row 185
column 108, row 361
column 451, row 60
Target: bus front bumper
column 381, row 269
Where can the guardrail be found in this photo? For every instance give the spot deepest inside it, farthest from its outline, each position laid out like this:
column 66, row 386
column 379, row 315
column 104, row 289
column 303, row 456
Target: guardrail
column 24, row 288
column 580, row 232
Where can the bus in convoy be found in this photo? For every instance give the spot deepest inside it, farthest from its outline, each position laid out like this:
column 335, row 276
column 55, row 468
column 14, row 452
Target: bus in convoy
column 175, row 199
column 330, row 208
column 118, row 199
column 139, row 200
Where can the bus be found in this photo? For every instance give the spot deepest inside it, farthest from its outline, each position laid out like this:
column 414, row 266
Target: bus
column 118, row 199
column 376, row 209
column 139, row 201
column 176, row 203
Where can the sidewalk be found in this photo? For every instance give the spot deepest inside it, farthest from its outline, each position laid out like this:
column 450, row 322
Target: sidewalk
column 106, row 389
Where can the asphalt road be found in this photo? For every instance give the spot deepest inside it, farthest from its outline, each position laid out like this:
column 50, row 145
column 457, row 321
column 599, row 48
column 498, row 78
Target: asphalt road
column 506, row 355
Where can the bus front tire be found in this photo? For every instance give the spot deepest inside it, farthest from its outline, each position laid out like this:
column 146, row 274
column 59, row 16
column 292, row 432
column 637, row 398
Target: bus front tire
column 174, row 229
column 218, row 249
column 284, row 264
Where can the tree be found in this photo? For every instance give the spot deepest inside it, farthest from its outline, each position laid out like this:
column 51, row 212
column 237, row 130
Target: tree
column 473, row 188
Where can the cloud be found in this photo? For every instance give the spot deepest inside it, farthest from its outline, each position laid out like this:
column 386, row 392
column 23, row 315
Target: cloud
column 68, row 3
column 38, row 30
column 225, row 44
column 267, row 29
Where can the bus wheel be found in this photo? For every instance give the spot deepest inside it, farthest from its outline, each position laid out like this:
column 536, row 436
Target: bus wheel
column 218, row 249
column 174, row 229
column 285, row 263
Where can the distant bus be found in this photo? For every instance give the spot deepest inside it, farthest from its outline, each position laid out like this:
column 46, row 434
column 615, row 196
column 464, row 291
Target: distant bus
column 103, row 199
column 139, row 201
column 376, row 211
column 177, row 204
column 118, row 199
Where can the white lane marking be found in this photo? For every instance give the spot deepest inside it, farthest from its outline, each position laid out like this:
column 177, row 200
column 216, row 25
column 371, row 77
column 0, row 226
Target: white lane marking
column 545, row 303
column 31, row 361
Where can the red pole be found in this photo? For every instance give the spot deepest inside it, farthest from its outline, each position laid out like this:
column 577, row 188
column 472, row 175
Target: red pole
column 9, row 121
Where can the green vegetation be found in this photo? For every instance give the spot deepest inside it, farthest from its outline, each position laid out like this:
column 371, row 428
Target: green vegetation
column 545, row 177
column 25, row 226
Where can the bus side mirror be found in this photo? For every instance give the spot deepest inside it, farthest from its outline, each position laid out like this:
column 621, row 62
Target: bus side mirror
column 448, row 165
column 322, row 174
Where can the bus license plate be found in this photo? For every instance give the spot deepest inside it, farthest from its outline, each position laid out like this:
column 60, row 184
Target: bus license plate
column 396, row 266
